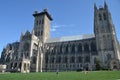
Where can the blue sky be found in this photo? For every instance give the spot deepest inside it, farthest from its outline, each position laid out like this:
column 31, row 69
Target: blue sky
column 70, row 17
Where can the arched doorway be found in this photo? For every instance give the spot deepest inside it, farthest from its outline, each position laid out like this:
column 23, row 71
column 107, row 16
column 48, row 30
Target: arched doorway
column 114, row 64
column 114, row 67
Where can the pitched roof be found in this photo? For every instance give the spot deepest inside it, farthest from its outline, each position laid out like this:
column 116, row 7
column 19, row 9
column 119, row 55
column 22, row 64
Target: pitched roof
column 70, row 38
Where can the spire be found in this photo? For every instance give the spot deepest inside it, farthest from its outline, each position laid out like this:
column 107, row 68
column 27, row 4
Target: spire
column 22, row 33
column 95, row 7
column 105, row 5
column 33, row 32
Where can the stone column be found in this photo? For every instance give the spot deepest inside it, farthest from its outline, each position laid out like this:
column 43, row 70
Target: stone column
column 83, row 56
column 37, row 60
column 90, row 65
column 22, row 67
column 76, row 54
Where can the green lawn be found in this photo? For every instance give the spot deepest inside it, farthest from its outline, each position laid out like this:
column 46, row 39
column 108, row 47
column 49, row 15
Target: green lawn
column 98, row 75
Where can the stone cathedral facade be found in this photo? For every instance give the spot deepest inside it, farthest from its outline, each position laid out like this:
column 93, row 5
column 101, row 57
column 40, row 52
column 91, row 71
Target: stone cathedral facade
column 37, row 52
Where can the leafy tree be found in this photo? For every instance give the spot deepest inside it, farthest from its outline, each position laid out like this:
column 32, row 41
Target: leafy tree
column 98, row 65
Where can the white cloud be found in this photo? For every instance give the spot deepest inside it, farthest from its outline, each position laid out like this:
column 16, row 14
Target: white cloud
column 53, row 29
column 56, row 27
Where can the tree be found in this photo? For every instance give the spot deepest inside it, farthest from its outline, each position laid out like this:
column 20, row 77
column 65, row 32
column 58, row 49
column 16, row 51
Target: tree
column 98, row 65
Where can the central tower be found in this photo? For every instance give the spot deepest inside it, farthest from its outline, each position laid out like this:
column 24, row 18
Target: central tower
column 42, row 25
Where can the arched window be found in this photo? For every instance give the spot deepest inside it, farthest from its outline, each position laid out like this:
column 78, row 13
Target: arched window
column 65, row 59
column 93, row 47
column 20, row 66
column 11, row 65
column 40, row 22
column 58, row 59
column 52, row 60
column 73, row 48
column 61, row 49
column 79, row 59
column 72, row 59
column 24, row 66
column 36, row 33
column 58, row 49
column 34, row 60
column 15, row 65
column 109, row 56
column 41, row 33
column 86, row 47
column 87, row 59
column 66, row 49
column 104, row 15
column 46, row 58
column 69, row 48
column 55, row 50
column 95, row 60
column 79, row 48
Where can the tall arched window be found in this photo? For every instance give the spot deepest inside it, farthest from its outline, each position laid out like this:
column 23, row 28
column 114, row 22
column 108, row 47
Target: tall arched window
column 65, row 59
column 61, row 49
column 69, row 48
column 95, row 60
column 58, row 59
column 34, row 60
column 66, row 49
column 93, row 46
column 79, row 59
column 79, row 48
column 15, row 65
column 52, row 59
column 87, row 59
column 40, row 22
column 104, row 15
column 11, row 65
column 108, row 56
column 20, row 66
column 86, row 47
column 73, row 48
column 72, row 59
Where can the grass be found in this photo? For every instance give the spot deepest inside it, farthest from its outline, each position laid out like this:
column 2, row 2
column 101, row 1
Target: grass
column 94, row 75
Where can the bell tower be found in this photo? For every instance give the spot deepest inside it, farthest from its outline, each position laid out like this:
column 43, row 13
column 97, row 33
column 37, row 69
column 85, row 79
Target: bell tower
column 106, row 40
column 42, row 24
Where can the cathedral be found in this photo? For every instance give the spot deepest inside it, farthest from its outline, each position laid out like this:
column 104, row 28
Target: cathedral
column 38, row 52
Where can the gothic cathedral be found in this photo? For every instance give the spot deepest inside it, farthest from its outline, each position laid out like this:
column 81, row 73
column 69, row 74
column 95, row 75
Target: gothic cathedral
column 37, row 52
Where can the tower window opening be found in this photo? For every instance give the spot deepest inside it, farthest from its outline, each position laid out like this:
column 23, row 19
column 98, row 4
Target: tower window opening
column 37, row 23
column 40, row 22
column 100, row 17
column 35, row 33
column 41, row 33
column 104, row 16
